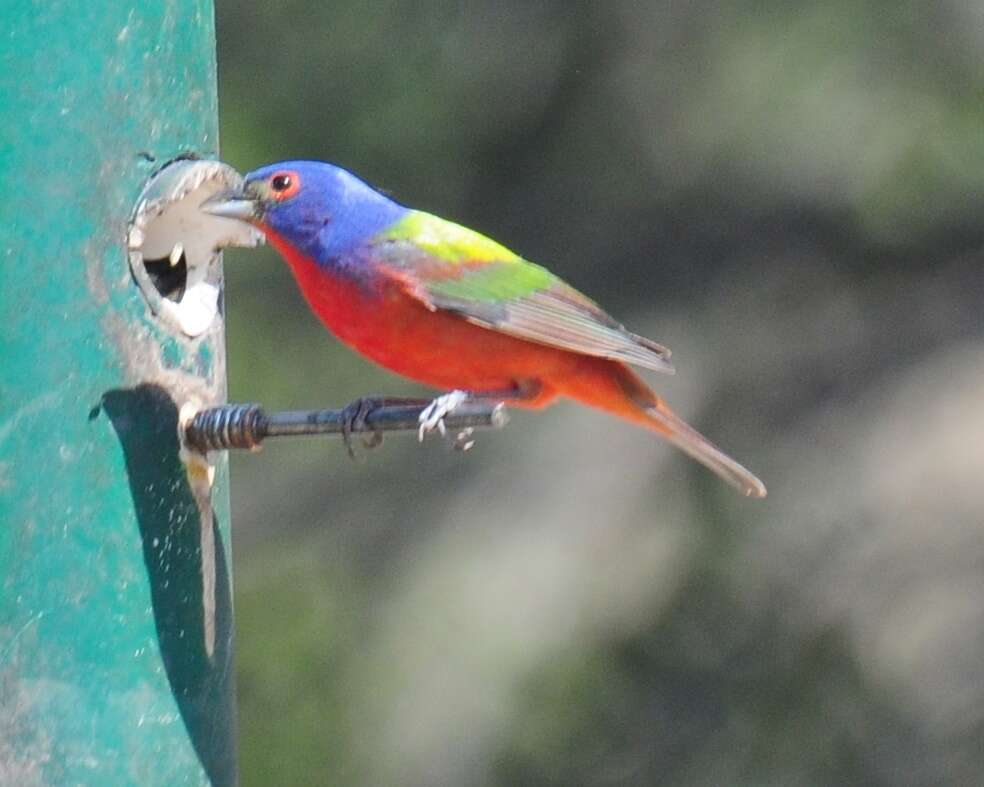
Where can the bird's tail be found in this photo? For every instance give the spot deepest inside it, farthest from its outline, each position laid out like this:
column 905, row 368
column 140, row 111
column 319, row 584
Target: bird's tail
column 613, row 387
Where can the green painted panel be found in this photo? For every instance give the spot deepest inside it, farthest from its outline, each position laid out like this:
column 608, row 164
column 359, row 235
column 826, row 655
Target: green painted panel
column 115, row 607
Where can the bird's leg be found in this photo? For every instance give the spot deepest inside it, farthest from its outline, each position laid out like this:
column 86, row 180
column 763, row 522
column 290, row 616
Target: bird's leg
column 354, row 417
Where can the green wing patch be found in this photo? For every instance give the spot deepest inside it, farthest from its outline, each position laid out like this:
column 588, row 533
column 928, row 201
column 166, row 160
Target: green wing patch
column 494, row 282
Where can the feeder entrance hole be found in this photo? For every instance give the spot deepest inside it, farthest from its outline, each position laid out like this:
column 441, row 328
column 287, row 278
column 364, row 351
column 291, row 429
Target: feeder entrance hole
column 175, row 248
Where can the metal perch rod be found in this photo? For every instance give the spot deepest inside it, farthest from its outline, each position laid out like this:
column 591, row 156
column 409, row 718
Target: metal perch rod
column 247, row 425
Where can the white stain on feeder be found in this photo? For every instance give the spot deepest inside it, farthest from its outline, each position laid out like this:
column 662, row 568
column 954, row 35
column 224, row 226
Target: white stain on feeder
column 175, row 248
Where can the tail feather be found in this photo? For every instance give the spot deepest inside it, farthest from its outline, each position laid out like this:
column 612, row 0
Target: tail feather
column 695, row 445
column 613, row 387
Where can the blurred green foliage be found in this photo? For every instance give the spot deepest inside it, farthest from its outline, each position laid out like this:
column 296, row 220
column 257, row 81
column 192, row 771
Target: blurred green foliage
column 788, row 195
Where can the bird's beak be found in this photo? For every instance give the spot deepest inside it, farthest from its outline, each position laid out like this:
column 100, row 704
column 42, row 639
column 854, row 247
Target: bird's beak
column 232, row 204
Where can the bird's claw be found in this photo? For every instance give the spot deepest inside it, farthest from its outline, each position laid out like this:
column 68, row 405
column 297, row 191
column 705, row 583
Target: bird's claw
column 464, row 441
column 432, row 417
column 354, row 417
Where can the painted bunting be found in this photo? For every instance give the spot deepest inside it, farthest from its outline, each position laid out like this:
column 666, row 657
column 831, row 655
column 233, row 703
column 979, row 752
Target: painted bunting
column 448, row 307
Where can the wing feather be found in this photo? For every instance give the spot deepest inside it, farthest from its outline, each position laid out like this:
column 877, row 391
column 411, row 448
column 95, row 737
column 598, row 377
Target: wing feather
column 461, row 271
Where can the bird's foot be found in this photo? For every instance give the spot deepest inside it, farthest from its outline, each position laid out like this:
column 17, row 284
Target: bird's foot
column 432, row 418
column 354, row 417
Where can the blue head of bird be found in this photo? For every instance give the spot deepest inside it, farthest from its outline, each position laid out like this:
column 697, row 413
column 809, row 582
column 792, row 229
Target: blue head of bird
column 318, row 208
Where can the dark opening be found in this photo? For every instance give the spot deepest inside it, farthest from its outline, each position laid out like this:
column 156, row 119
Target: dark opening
column 168, row 279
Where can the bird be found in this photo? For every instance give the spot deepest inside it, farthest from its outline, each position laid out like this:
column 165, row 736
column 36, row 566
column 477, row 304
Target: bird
column 453, row 309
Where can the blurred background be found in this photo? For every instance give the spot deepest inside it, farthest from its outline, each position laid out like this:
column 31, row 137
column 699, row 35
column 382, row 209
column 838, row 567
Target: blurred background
column 789, row 196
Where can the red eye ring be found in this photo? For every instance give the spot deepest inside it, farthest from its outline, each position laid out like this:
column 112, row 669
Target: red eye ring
column 284, row 185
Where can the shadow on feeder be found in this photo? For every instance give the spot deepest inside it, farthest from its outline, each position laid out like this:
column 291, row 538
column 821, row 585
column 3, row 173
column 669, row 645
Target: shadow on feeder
column 186, row 570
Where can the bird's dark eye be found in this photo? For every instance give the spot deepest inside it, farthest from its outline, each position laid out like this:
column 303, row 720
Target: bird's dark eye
column 284, row 185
